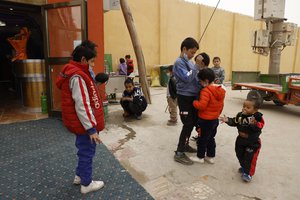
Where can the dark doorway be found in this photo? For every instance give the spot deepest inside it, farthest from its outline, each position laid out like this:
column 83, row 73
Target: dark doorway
column 13, row 17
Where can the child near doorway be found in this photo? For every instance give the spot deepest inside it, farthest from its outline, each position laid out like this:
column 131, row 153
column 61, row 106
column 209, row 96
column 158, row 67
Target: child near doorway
column 82, row 111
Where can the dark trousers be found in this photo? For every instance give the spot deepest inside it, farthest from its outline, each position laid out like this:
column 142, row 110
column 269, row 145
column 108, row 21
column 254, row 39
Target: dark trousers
column 207, row 130
column 247, row 153
column 131, row 108
column 86, row 152
column 188, row 116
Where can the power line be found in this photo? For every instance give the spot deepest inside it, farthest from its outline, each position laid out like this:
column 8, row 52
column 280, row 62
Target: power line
column 209, row 21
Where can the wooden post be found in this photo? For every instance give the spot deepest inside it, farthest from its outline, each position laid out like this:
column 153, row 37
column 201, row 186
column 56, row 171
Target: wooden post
column 137, row 49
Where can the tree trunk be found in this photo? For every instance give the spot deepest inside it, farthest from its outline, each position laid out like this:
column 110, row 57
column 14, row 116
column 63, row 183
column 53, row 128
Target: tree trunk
column 137, row 49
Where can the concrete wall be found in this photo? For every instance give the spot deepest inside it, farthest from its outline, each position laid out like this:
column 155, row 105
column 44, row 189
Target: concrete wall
column 163, row 24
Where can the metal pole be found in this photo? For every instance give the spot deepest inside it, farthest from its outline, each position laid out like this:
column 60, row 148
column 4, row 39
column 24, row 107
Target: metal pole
column 276, row 46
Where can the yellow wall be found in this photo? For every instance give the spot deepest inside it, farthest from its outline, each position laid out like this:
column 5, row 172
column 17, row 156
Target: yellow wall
column 163, row 24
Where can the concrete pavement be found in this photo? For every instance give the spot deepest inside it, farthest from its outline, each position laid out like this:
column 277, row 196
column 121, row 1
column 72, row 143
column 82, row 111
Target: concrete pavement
column 146, row 149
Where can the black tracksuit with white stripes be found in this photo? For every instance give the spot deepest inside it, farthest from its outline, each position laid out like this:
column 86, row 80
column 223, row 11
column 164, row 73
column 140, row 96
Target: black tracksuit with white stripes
column 248, row 144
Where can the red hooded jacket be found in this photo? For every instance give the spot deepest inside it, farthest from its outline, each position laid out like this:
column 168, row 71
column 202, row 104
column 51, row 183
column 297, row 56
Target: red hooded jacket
column 93, row 109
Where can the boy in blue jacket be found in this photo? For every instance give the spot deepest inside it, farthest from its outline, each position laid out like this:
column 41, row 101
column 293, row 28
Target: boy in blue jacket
column 188, row 87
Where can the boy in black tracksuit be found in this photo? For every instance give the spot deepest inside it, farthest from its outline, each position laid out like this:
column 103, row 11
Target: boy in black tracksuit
column 249, row 123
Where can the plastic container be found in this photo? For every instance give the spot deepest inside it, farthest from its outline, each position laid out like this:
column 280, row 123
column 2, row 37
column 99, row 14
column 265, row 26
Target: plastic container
column 105, row 109
column 44, row 103
column 164, row 78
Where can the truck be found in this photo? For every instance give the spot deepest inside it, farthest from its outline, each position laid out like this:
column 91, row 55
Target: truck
column 282, row 89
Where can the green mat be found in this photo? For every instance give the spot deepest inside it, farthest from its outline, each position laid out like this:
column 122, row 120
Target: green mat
column 38, row 160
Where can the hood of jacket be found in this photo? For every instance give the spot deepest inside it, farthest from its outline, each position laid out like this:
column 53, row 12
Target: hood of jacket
column 68, row 70
column 218, row 91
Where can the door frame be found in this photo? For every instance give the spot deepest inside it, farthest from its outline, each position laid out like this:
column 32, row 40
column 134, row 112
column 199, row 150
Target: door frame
column 59, row 60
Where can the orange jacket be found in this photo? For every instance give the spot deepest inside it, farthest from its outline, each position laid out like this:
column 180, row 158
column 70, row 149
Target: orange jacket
column 19, row 42
column 211, row 102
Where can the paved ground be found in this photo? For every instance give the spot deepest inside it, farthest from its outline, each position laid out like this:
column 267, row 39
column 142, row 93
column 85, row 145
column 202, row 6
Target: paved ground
column 146, row 148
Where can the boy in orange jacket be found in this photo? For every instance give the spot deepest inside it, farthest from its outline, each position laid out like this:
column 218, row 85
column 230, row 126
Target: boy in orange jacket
column 209, row 106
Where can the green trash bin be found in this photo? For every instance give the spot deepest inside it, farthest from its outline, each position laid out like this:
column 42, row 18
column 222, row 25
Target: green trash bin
column 105, row 109
column 164, row 78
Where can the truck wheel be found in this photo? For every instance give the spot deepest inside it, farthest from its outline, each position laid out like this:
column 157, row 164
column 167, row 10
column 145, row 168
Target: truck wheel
column 254, row 94
column 278, row 103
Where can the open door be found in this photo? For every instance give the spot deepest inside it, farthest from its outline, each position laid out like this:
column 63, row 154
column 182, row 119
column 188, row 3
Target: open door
column 64, row 28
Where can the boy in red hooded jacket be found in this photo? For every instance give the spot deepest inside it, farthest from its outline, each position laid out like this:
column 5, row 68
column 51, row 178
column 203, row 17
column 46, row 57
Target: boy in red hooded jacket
column 82, row 111
column 209, row 106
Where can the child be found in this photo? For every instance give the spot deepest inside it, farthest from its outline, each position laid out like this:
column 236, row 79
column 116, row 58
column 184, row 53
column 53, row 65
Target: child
column 122, row 67
column 249, row 123
column 219, row 71
column 101, row 78
column 82, row 111
column 209, row 106
column 188, row 87
column 133, row 101
column 202, row 61
column 172, row 98
column 129, row 63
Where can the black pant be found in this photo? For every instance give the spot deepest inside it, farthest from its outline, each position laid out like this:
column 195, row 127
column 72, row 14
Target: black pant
column 247, row 153
column 188, row 116
column 206, row 141
column 131, row 108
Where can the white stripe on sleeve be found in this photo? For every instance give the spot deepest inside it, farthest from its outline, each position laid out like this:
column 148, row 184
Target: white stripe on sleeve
column 83, row 108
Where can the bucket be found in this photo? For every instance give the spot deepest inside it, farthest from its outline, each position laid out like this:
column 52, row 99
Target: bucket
column 105, row 109
column 31, row 78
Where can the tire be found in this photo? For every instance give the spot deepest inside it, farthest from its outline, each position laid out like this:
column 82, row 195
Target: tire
column 254, row 94
column 278, row 103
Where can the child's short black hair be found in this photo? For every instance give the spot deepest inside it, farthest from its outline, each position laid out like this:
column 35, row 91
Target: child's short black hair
column 128, row 81
column 206, row 58
column 217, row 58
column 206, row 74
column 89, row 44
column 256, row 103
column 101, row 77
column 255, row 98
column 122, row 60
column 170, row 68
column 86, row 49
column 189, row 43
column 127, row 56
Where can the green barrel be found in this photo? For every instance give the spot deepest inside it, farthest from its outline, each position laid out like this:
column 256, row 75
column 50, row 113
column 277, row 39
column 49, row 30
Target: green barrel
column 164, row 78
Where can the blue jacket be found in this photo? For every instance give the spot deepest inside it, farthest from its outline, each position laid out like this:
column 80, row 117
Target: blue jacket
column 187, row 82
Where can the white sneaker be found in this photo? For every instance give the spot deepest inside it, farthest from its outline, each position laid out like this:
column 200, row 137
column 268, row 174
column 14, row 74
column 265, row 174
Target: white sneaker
column 77, row 180
column 210, row 160
column 197, row 159
column 93, row 186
